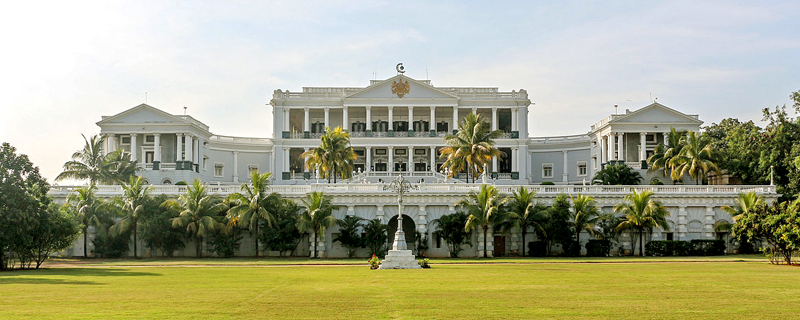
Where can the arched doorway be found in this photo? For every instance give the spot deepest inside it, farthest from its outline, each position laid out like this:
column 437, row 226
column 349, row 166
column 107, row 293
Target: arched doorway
column 409, row 227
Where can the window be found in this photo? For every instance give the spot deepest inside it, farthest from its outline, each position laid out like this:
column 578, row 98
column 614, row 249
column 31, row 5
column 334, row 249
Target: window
column 252, row 168
column 126, row 140
column 218, row 170
column 547, row 170
column 581, row 168
column 650, row 138
column 150, row 139
column 205, row 163
column 399, row 152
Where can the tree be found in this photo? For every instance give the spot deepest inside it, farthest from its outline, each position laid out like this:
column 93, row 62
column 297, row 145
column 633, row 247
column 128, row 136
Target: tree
column 485, row 209
column 334, row 155
column 525, row 212
column 696, row 158
column 585, row 215
column 641, row 213
column 91, row 164
column 254, row 205
column 199, row 213
column 618, row 174
column 52, row 230
column 557, row 227
column 87, row 206
column 737, row 147
column 471, row 147
column 663, row 154
column 283, row 235
column 156, row 227
column 450, row 227
column 349, row 236
column 376, row 234
column 23, row 196
column 134, row 196
column 778, row 225
column 317, row 216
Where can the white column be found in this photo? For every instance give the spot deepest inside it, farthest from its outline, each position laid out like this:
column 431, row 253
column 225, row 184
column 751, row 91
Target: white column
column 475, row 110
column 390, row 165
column 411, row 117
column 433, row 120
column 235, row 166
column 157, row 147
column 621, row 146
column 189, row 147
column 515, row 159
column 368, row 164
column 666, row 141
column 379, row 213
column 611, row 146
column 709, row 225
column 565, row 175
column 109, row 143
column 351, row 210
column 134, row 155
column 286, row 159
column 391, row 118
column 642, row 146
column 494, row 164
column 345, row 120
column 286, row 122
column 494, row 118
column 327, row 117
column 599, row 151
column 514, row 115
column 179, row 150
column 433, row 159
column 682, row 217
column 306, row 120
column 422, row 223
column 410, row 159
column 200, row 154
column 454, row 125
column 369, row 118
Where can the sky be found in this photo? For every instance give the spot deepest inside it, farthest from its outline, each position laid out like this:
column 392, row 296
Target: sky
column 64, row 64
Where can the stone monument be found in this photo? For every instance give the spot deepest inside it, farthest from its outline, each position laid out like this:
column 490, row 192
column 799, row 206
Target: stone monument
column 399, row 257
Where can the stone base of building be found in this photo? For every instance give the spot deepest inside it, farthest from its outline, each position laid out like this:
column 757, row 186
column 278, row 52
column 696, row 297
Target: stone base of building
column 400, row 259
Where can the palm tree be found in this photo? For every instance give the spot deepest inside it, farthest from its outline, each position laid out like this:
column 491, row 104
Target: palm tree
column 617, row 174
column 584, row 215
column 450, row 227
column 471, row 147
column 485, row 209
column 745, row 203
column 641, row 212
column 317, row 216
column 134, row 196
column 348, row 234
column 662, row 155
column 88, row 205
column 199, row 212
column 525, row 212
column 90, row 163
column 253, row 206
column 334, row 155
column 697, row 158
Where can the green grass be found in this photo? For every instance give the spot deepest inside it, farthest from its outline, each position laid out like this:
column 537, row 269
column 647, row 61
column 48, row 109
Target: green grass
column 518, row 288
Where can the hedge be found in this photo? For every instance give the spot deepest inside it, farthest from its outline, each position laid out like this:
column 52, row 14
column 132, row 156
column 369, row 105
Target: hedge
column 598, row 248
column 685, row 248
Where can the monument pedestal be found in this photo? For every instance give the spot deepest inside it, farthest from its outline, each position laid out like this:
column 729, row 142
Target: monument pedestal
column 400, row 259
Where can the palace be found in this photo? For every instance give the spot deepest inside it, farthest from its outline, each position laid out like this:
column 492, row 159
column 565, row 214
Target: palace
column 397, row 127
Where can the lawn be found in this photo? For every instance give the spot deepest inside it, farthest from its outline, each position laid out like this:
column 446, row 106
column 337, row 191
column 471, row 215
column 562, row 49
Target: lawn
column 711, row 288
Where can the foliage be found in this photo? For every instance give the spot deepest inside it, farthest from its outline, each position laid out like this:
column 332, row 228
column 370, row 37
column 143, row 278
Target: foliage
column 471, row 147
column 425, row 263
column 665, row 248
column 737, row 149
column 199, row 213
column 525, row 212
column 778, row 225
column 156, row 227
column 557, row 228
column 349, row 236
column 745, row 203
column 598, row 248
column 485, row 209
column 617, row 174
column 697, row 158
column 90, row 163
column 538, row 248
column 450, row 227
column 253, row 206
column 422, row 244
column 225, row 241
column 334, row 155
column 283, row 235
column 375, row 237
column 87, row 205
column 663, row 154
column 134, row 197
column 641, row 213
column 107, row 245
column 317, row 216
column 547, row 183
column 374, row 262
column 585, row 215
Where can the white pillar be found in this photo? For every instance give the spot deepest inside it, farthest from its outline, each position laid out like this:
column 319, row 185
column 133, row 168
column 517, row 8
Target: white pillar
column 200, row 154
column 565, row 175
column 379, row 213
column 391, row 118
column 286, row 121
column 621, row 146
column 390, row 165
column 179, row 150
column 410, row 159
column 368, row 164
column 306, row 120
column 454, row 125
column 351, row 210
column 189, row 147
column 327, row 117
column 286, row 152
column 642, row 146
column 514, row 115
column 369, row 118
column 410, row 117
column 495, row 164
column 157, row 147
column 134, row 155
column 600, row 150
column 709, row 225
column 433, row 120
column 611, row 143
column 422, row 223
column 475, row 110
column 109, row 143
column 433, row 159
column 345, row 120
column 236, row 166
column 682, row 220
column 515, row 159
column 494, row 119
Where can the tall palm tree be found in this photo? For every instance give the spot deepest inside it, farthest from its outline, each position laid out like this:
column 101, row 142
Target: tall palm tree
column 641, row 212
column 662, row 155
column 88, row 205
column 585, row 215
column 253, row 205
column 485, row 209
column 317, row 216
column 90, row 163
column 471, row 147
column 334, row 155
column 134, row 195
column 745, row 203
column 696, row 157
column 525, row 212
column 199, row 212
column 617, row 174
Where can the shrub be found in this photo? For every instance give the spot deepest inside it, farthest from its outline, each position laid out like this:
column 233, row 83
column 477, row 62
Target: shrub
column 708, row 247
column 424, row 263
column 548, row 183
column 571, row 248
column 224, row 243
column 598, row 248
column 108, row 246
column 537, row 248
column 374, row 262
column 668, row 248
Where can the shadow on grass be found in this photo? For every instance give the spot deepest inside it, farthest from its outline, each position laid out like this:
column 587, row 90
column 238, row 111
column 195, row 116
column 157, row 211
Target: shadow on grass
column 43, row 276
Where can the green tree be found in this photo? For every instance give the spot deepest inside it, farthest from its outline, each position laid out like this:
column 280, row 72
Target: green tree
column 317, row 216
column 376, row 236
column 737, row 148
column 450, row 227
column 134, row 196
column 199, row 213
column 334, row 155
column 225, row 241
column 471, row 147
column 526, row 212
column 641, row 213
column 283, row 235
column 253, row 206
column 485, row 209
column 349, row 236
column 585, row 215
column 53, row 230
column 663, row 154
column 778, row 225
column 697, row 158
column 87, row 205
column 618, row 174
column 91, row 164
column 156, row 227
column 557, row 227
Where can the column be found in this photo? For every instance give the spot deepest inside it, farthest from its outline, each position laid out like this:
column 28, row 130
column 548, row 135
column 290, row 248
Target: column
column 327, row 118
column 390, row 165
column 494, row 118
column 433, row 159
column 565, row 175
column 599, row 151
column 610, row 142
column 305, row 160
column 369, row 118
column 410, row 159
column 621, row 146
column 368, row 164
column 157, row 148
column 664, row 136
column 109, row 143
column 682, row 230
column 306, row 120
column 286, row 122
column 432, row 122
column 286, row 152
column 134, row 155
column 494, row 164
column 351, row 210
column 235, row 166
column 379, row 213
column 345, row 120
column 410, row 118
column 454, row 125
column 475, row 110
column 391, row 118
column 179, row 150
column 189, row 147
column 422, row 223
column 642, row 146
column 514, row 115
column 709, row 225
column 515, row 159
column 200, row 157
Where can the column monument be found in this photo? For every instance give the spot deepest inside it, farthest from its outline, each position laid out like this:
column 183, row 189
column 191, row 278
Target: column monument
column 400, row 257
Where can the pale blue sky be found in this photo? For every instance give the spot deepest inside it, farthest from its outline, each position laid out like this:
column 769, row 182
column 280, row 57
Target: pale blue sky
column 65, row 64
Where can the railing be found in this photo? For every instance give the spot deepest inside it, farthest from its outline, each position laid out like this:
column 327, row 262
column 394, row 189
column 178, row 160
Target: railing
column 329, row 93
column 145, row 166
column 245, row 140
column 560, row 139
column 167, row 166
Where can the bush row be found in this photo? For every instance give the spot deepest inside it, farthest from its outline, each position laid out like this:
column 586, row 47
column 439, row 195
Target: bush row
column 685, row 248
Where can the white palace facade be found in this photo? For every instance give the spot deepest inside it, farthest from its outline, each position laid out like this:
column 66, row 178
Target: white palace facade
column 397, row 127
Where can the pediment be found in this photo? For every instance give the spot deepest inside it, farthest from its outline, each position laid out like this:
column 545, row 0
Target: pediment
column 416, row 90
column 141, row 114
column 657, row 113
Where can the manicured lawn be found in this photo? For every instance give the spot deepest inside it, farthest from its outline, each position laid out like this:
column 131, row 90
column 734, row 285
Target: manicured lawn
column 714, row 289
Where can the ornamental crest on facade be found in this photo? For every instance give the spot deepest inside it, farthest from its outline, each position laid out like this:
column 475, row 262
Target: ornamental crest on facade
column 400, row 88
